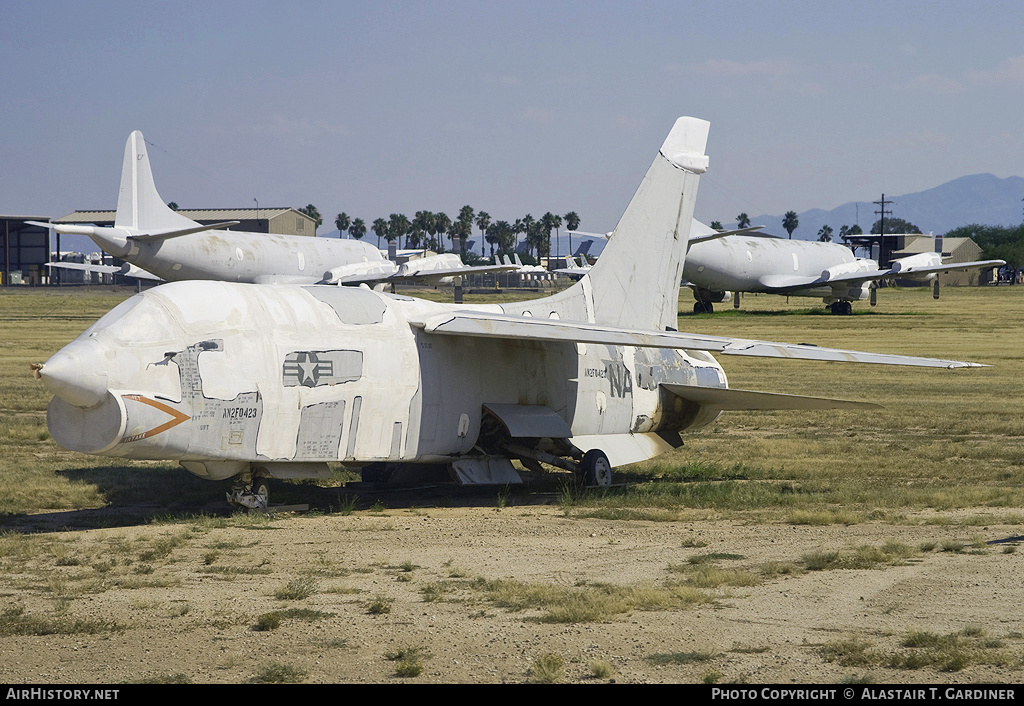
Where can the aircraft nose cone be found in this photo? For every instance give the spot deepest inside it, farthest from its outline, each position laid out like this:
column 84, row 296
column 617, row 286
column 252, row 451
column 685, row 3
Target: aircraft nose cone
column 77, row 374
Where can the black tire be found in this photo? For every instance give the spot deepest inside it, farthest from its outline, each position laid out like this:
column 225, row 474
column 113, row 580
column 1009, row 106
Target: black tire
column 596, row 469
column 261, row 491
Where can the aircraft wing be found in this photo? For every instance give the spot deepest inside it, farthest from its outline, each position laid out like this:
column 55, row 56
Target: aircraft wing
column 945, row 267
column 427, row 275
column 374, row 274
column 725, row 398
column 576, row 272
column 784, row 284
column 126, row 270
column 723, row 233
column 487, row 325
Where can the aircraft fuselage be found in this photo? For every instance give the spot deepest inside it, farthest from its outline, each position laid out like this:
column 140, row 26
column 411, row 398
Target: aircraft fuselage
column 293, row 374
column 236, row 256
column 757, row 264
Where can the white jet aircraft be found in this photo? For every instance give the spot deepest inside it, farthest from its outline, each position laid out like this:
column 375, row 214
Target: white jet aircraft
column 151, row 236
column 577, row 269
column 732, row 262
column 251, row 382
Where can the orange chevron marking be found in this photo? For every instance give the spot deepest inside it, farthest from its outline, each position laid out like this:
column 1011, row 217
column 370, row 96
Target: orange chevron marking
column 176, row 418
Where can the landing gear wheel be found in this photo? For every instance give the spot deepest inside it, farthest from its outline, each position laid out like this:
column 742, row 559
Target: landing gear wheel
column 703, row 308
column 260, row 493
column 842, row 308
column 596, row 469
column 254, row 495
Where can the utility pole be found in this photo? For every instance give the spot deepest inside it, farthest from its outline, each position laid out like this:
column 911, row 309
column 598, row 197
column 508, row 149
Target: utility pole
column 883, row 252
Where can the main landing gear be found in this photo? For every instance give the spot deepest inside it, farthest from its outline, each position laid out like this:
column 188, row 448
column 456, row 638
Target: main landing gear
column 841, row 308
column 706, row 300
column 595, row 469
column 252, row 493
column 592, row 469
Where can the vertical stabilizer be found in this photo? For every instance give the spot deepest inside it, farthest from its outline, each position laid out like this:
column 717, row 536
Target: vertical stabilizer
column 636, row 280
column 139, row 206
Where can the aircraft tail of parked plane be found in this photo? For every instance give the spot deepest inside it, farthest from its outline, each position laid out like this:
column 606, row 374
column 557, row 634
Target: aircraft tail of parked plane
column 636, row 280
column 140, row 210
column 141, row 213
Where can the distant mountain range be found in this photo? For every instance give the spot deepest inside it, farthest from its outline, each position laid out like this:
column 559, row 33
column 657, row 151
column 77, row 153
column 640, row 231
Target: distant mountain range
column 980, row 198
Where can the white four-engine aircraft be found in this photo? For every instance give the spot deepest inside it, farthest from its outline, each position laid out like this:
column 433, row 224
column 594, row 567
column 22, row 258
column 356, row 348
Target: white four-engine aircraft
column 735, row 262
column 253, row 381
column 156, row 239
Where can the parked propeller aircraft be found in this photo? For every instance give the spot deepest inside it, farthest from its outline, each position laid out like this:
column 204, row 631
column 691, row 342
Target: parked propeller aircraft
column 151, row 236
column 251, row 381
column 733, row 262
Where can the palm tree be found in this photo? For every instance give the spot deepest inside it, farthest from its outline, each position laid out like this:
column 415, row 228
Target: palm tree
column 825, row 234
column 314, row 214
column 358, row 229
column 419, row 229
column 505, row 237
column 466, row 226
column 535, row 237
column 421, row 223
column 743, row 221
column 556, row 222
column 572, row 222
column 528, row 227
column 380, row 227
column 442, row 224
column 483, row 219
column 457, row 231
column 790, row 222
column 342, row 222
column 717, row 225
column 550, row 223
column 397, row 228
column 491, row 237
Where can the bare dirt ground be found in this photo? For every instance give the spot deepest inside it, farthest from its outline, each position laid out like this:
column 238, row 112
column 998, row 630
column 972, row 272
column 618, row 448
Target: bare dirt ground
column 184, row 600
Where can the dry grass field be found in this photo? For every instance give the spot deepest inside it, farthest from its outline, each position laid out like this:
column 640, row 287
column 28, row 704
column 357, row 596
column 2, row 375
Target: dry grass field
column 773, row 547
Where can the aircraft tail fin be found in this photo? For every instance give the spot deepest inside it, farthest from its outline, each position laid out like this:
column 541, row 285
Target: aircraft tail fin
column 139, row 206
column 635, row 282
column 636, row 279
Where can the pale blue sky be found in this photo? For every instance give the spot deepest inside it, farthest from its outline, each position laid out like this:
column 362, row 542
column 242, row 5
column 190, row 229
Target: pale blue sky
column 513, row 107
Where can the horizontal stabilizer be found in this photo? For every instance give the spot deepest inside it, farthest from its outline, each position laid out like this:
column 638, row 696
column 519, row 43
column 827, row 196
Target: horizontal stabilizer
column 487, row 325
column 178, row 232
column 746, row 400
column 65, row 229
column 123, row 231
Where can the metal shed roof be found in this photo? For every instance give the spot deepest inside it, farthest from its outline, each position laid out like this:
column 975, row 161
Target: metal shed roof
column 196, row 214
